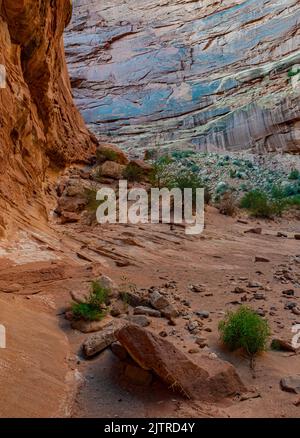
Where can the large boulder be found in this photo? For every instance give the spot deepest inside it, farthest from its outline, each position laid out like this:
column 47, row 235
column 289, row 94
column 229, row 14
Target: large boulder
column 208, row 379
column 111, row 169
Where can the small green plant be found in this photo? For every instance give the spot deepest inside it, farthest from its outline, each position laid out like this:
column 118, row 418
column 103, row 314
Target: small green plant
column 133, row 173
column 293, row 72
column 260, row 204
column 103, row 155
column 92, row 309
column 91, row 202
column 245, row 329
column 294, row 175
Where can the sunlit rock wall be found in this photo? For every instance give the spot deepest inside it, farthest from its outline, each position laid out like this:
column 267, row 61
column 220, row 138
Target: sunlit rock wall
column 182, row 73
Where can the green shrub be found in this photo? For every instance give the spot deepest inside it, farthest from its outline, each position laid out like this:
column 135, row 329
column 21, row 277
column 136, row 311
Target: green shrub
column 260, row 204
column 103, row 155
column 294, row 175
column 245, row 329
column 292, row 72
column 133, row 173
column 91, row 202
column 294, row 201
column 87, row 312
column 92, row 310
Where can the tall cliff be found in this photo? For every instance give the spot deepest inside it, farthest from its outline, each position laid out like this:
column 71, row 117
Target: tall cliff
column 40, row 126
column 185, row 73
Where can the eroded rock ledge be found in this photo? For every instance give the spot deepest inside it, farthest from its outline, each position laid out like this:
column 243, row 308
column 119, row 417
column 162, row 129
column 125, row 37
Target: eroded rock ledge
column 181, row 73
column 39, row 123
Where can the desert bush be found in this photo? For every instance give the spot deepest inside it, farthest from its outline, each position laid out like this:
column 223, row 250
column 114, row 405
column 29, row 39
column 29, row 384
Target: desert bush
column 103, row 155
column 228, row 204
column 133, row 173
column 294, row 175
column 293, row 72
column 92, row 309
column 260, row 204
column 245, row 329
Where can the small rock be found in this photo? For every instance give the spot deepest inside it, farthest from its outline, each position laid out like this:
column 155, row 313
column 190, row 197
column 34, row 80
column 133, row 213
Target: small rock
column 249, row 396
column 163, row 334
column 259, row 296
column 280, row 344
column 193, row 350
column 140, row 320
column 158, row 301
column 115, row 310
column 192, row 326
column 143, row 310
column 161, row 303
column 136, row 299
column 259, row 259
column 203, row 314
column 242, row 221
column 257, row 230
column 99, row 341
column 280, row 234
column 119, row 350
column 68, row 217
column 107, row 283
column 288, row 292
column 169, row 312
column 239, row 290
column 290, row 305
column 202, row 342
column 291, row 384
column 254, row 284
column 198, row 288
column 296, row 311
column 172, row 322
column 79, row 297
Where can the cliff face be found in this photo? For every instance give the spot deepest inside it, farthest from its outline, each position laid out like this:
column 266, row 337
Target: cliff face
column 39, row 124
column 182, row 73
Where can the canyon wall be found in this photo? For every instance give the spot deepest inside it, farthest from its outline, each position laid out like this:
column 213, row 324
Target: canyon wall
column 40, row 127
column 184, row 73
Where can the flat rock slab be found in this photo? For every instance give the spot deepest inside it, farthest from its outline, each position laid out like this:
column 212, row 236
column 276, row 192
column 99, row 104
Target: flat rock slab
column 143, row 310
column 100, row 340
column 291, row 384
column 91, row 326
column 207, row 379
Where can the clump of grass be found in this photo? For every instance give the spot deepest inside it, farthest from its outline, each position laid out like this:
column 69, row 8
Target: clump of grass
column 260, row 204
column 294, row 175
column 133, row 173
column 103, row 155
column 245, row 329
column 92, row 203
column 92, row 310
column 293, row 72
column 228, row 204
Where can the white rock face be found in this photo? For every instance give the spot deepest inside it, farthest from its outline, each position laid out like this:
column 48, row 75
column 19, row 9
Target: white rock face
column 202, row 74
